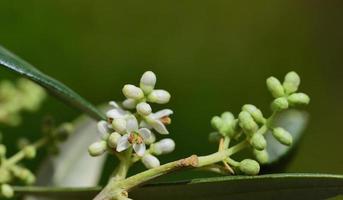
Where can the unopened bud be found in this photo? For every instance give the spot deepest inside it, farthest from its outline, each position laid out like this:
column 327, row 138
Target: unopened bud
column 148, row 82
column 255, row 113
column 132, row 92
column 2, row 150
column 5, row 175
column 291, row 82
column 247, row 122
column 129, row 103
column 280, row 104
column 150, row 161
column 97, row 148
column 283, row 136
column 143, row 109
column 249, row 167
column 299, row 99
column 103, row 128
column 275, row 87
column 119, row 125
column 159, row 96
column 30, row 152
column 216, row 122
column 7, row 191
column 113, row 139
column 258, row 142
column 261, row 156
column 164, row 146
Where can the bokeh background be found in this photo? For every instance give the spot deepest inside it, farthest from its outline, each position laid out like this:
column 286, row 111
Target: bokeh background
column 211, row 55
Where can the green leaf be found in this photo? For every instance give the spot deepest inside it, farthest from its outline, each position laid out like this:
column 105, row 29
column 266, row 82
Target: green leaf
column 272, row 186
column 294, row 122
column 64, row 93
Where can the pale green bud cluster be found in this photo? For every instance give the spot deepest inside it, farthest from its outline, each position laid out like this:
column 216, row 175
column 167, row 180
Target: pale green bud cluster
column 15, row 98
column 285, row 94
column 252, row 124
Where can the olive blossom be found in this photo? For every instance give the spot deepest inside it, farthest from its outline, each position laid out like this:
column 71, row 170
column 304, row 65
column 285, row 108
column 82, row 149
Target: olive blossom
column 158, row 121
column 135, row 137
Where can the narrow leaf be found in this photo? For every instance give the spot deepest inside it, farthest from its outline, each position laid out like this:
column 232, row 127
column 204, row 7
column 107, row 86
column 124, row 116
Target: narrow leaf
column 64, row 93
column 271, row 186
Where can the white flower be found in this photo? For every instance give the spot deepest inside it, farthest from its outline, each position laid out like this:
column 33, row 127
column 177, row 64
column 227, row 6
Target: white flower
column 148, row 82
column 134, row 137
column 158, row 121
column 163, row 146
column 132, row 92
column 159, row 96
column 143, row 109
column 150, row 161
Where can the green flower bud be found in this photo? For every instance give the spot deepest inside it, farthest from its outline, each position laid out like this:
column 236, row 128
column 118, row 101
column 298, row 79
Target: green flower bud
column 148, row 81
column 255, row 113
column 30, row 152
column 216, row 122
column 113, row 139
column 283, row 136
column 247, row 123
column 291, row 83
column 299, row 99
column 97, row 148
column 258, row 142
column 2, row 150
column 214, row 137
column 249, row 167
column 7, row 191
column 261, row 156
column 275, row 87
column 5, row 175
column 227, row 117
column 280, row 104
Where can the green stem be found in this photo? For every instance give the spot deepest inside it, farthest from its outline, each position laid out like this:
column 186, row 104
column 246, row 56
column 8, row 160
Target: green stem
column 115, row 188
column 21, row 154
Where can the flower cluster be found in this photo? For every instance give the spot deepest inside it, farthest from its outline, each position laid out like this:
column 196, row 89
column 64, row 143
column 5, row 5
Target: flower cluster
column 131, row 124
column 24, row 96
column 251, row 125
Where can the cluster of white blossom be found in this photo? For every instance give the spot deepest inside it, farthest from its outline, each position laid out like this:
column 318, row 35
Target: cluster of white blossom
column 131, row 124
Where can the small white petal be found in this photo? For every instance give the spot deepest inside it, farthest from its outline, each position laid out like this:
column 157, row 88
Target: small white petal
column 159, row 127
column 115, row 113
column 143, row 109
column 103, row 127
column 139, row 149
column 145, row 133
column 119, row 125
column 150, row 161
column 144, row 124
column 162, row 113
column 114, row 104
column 129, row 103
column 159, row 96
column 132, row 92
column 123, row 143
column 131, row 124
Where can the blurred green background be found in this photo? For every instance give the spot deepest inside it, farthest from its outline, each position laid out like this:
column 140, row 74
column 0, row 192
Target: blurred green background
column 211, row 55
